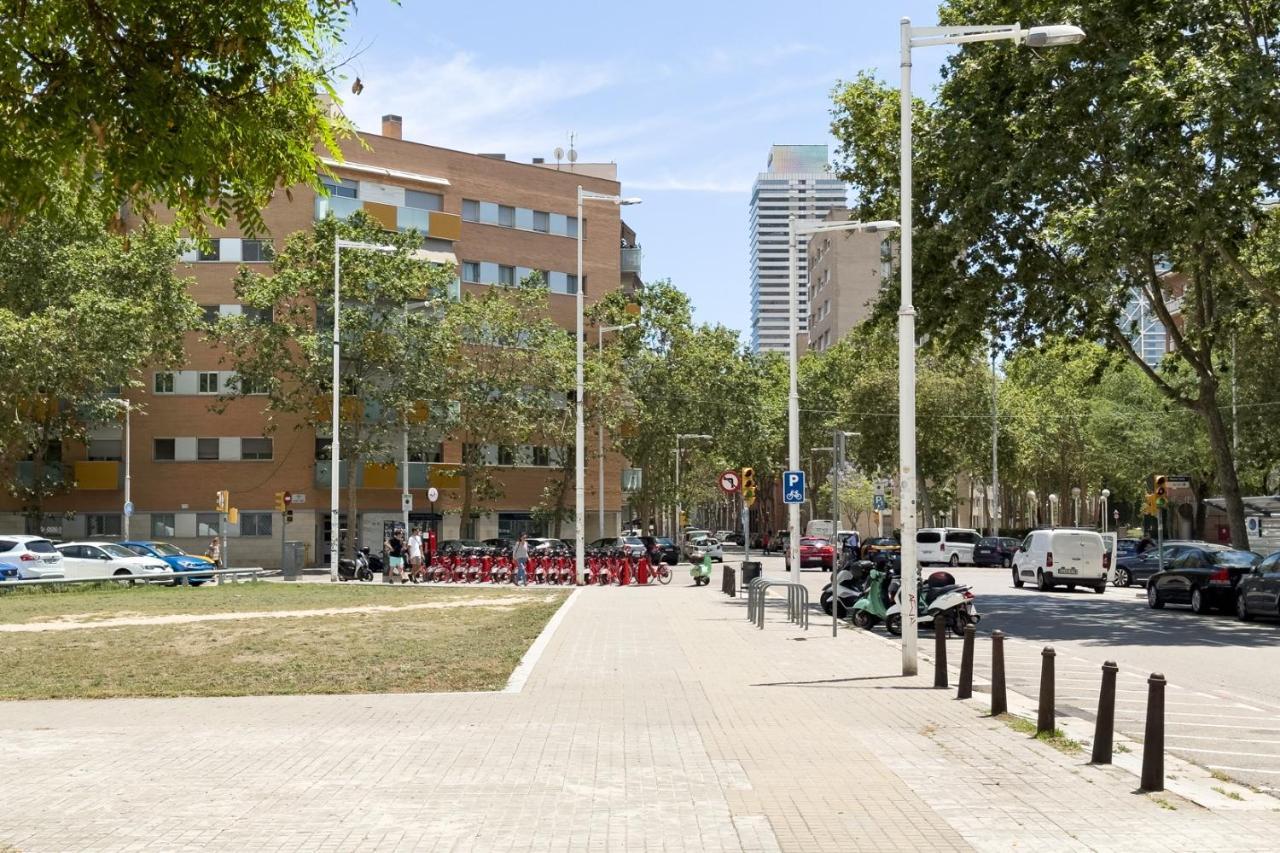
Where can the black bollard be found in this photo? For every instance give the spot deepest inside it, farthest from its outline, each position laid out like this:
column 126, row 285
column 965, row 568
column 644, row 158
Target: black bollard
column 1044, row 714
column 1153, row 736
column 966, row 664
column 999, row 704
column 1104, row 728
column 939, row 652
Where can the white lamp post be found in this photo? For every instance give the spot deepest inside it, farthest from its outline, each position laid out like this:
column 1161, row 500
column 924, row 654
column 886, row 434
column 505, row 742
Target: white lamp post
column 600, row 330
column 1075, row 502
column 579, row 439
column 1106, row 503
column 912, row 37
column 795, row 230
column 1035, row 510
column 1053, row 510
column 335, row 455
column 128, row 474
column 679, row 539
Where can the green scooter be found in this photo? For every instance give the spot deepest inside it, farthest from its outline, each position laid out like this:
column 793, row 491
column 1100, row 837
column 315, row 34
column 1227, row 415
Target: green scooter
column 873, row 606
column 701, row 572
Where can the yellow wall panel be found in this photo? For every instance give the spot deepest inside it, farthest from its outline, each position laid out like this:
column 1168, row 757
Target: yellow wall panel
column 98, row 476
column 445, row 476
column 446, row 226
column 380, row 476
column 384, row 213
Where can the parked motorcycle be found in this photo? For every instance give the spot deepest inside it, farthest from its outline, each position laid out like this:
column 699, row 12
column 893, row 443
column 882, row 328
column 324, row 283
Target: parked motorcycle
column 872, row 606
column 355, row 570
column 939, row 597
column 701, row 572
column 851, row 577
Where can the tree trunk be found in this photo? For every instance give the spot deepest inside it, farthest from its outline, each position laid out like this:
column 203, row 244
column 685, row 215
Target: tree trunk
column 464, row 528
column 354, row 464
column 1224, row 462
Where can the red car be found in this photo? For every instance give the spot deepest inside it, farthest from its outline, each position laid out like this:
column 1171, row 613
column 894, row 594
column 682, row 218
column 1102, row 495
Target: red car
column 814, row 552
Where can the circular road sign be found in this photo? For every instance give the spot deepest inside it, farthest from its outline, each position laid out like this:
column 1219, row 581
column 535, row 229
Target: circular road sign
column 288, row 498
column 128, row 507
column 433, row 494
column 729, row 482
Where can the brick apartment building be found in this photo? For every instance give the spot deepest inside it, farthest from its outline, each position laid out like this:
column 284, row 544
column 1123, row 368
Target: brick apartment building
column 496, row 219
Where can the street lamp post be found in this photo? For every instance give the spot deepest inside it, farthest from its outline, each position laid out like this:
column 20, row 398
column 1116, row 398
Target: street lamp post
column 837, row 456
column 1075, row 502
column 335, row 454
column 1053, row 510
column 1035, row 509
column 913, row 37
column 795, row 231
column 679, row 436
column 1106, row 505
column 600, row 330
column 127, row 405
column 579, row 435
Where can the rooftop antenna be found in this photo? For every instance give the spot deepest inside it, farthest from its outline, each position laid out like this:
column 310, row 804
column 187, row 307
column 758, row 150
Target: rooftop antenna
column 559, row 153
column 573, row 154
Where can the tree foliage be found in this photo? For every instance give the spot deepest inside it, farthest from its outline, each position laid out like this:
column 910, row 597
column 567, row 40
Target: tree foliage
column 205, row 108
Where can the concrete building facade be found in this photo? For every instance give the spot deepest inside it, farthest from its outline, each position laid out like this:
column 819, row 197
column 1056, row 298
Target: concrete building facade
column 797, row 182
column 846, row 272
column 497, row 219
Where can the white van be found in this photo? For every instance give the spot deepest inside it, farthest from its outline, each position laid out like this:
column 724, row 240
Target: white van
column 950, row 545
column 820, row 528
column 1062, row 557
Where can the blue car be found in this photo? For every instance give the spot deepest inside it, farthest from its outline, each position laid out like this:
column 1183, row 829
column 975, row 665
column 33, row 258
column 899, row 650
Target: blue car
column 180, row 560
column 8, row 572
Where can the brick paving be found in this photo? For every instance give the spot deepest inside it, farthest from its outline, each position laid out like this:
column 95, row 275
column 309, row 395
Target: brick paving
column 656, row 719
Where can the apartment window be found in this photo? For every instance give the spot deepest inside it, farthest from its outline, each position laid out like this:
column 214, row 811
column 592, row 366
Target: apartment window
column 542, row 221
column 255, row 449
column 257, row 315
column 470, row 271
column 470, row 210
column 324, row 448
column 431, row 452
column 210, row 313
column 541, row 455
column 489, row 212
column 208, row 383
column 488, row 273
column 102, row 524
column 105, row 450
column 163, row 525
column 506, row 216
column 207, row 449
column 524, row 218
column 164, row 449
column 571, row 226
column 209, row 252
column 255, row 524
column 257, row 251
column 341, row 187
column 248, row 385
column 506, row 275
column 423, row 201
column 506, row 455
column 163, row 383
column 571, row 284
column 207, row 524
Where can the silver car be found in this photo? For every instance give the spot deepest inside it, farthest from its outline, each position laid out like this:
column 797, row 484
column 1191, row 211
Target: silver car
column 703, row 546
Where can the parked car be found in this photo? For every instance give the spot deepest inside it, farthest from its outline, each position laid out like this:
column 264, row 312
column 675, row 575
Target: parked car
column 1137, row 568
column 99, row 559
column 1258, row 593
column 704, row 546
column 34, row 556
column 1202, row 575
column 503, row 543
column 457, row 544
column 727, row 537
column 8, row 572
column 179, row 560
column 995, row 551
column 1063, row 556
column 950, row 545
column 880, row 545
column 661, row 549
column 813, row 552
column 630, row 544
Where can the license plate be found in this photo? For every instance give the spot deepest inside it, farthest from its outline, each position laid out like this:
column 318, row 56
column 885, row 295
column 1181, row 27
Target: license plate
column 1067, row 570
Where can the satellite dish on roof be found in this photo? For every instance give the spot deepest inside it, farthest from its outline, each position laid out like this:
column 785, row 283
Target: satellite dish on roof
column 573, row 156
column 559, row 152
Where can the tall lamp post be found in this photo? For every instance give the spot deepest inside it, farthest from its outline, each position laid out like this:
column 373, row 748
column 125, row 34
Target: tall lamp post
column 796, row 229
column 335, row 450
column 600, row 331
column 679, row 437
column 913, row 37
column 579, row 437
column 1106, row 507
column 127, row 405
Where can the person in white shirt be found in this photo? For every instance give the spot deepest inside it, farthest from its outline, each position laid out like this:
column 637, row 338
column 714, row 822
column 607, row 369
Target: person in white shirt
column 415, row 549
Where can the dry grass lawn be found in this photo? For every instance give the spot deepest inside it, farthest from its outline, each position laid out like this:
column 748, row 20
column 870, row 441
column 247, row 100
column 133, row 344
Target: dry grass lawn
column 420, row 650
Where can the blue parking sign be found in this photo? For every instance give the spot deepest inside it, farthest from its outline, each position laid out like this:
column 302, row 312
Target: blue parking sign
column 793, row 487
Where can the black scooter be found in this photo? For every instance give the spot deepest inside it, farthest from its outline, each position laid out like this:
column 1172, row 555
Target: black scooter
column 357, row 569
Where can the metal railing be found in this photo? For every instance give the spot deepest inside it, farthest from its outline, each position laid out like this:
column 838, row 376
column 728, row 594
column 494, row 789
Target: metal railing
column 797, row 601
column 182, row 578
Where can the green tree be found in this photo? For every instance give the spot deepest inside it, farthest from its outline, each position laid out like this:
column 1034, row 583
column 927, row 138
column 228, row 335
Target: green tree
column 83, row 310
column 389, row 320
column 203, row 107
column 1051, row 187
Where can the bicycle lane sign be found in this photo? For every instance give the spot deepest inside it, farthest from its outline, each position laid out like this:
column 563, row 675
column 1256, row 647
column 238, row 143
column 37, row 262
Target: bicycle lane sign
column 793, row 487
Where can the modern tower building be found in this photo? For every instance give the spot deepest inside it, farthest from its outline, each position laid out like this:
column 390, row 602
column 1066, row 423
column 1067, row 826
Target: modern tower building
column 797, row 182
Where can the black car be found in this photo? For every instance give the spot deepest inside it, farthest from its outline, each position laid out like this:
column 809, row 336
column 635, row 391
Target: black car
column 995, row 551
column 661, row 549
column 1258, row 593
column 1137, row 568
column 1202, row 575
column 880, row 545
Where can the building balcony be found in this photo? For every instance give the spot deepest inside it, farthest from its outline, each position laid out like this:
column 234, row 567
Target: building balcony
column 54, row 474
column 631, row 260
column 430, row 223
column 378, row 476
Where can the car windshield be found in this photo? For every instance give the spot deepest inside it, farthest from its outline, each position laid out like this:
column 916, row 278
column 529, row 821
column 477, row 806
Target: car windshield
column 116, row 550
column 988, row 542
column 816, row 543
column 631, row 540
column 664, row 541
column 164, row 549
column 1233, row 558
column 41, row 546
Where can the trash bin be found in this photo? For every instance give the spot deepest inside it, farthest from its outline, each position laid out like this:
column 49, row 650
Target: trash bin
column 750, row 571
column 295, row 554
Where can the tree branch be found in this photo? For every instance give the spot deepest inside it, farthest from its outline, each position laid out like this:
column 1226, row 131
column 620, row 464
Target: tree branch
column 1119, row 338
column 1251, row 281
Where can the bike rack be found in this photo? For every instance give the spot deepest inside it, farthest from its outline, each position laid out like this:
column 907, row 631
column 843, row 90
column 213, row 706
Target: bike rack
column 797, row 601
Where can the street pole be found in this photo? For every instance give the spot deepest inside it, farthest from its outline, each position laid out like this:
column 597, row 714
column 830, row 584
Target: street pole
column 128, row 473
column 335, row 444
column 404, row 488
column 678, row 531
column 995, row 449
column 793, row 392
column 907, row 375
column 599, row 440
column 579, row 439
column 838, row 444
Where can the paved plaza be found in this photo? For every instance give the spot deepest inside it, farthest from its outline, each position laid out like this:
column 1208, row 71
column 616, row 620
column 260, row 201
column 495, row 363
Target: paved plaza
column 654, row 719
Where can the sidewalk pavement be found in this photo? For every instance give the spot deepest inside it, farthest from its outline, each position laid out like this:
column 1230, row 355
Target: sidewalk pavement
column 656, row 719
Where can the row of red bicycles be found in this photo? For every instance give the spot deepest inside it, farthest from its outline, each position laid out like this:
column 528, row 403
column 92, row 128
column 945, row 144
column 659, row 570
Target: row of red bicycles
column 604, row 567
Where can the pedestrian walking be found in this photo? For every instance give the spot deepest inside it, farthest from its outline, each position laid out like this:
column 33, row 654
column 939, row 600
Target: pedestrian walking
column 395, row 556
column 415, row 550
column 214, row 552
column 521, row 555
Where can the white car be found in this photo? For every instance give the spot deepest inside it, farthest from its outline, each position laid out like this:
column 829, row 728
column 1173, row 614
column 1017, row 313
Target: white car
column 34, row 557
column 99, row 559
column 1062, row 557
column 703, row 546
column 950, row 545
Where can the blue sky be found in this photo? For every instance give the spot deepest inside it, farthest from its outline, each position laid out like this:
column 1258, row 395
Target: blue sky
column 685, row 97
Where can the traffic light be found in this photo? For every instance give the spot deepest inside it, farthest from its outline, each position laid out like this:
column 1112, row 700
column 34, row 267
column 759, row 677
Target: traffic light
column 288, row 516
column 280, row 504
column 223, row 501
column 1150, row 507
column 749, row 486
column 1162, row 491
